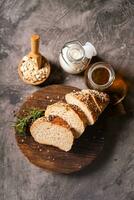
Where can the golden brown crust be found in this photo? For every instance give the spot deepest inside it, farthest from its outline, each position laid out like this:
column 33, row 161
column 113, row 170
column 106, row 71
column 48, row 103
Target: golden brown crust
column 58, row 121
column 101, row 98
column 75, row 113
column 88, row 100
column 54, row 120
column 80, row 113
column 72, row 108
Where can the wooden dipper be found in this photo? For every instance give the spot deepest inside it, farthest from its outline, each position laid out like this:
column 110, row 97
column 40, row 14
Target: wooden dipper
column 41, row 61
column 35, row 39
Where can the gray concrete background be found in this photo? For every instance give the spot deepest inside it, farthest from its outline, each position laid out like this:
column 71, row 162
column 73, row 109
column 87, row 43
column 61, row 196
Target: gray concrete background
column 109, row 25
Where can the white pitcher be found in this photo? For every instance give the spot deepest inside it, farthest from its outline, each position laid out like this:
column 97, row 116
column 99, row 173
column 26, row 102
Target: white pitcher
column 75, row 58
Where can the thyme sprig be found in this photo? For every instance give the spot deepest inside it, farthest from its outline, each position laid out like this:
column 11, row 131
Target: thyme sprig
column 22, row 123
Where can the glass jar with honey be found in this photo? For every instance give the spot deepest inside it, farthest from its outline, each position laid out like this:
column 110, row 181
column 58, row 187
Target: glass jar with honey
column 101, row 76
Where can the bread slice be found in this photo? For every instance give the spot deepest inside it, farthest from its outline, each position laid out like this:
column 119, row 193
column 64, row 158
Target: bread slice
column 92, row 103
column 71, row 114
column 52, row 131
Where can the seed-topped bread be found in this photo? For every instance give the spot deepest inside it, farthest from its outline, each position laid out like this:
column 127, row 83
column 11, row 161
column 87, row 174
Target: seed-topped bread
column 53, row 131
column 91, row 102
column 101, row 99
column 65, row 121
column 71, row 114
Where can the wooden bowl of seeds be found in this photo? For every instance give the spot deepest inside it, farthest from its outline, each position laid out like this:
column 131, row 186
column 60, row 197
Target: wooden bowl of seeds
column 34, row 69
column 30, row 74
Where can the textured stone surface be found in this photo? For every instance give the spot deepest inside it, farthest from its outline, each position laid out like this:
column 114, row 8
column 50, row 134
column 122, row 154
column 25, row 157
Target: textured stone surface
column 109, row 25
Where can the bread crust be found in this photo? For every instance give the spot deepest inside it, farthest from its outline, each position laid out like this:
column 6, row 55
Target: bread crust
column 92, row 100
column 80, row 113
column 101, row 99
column 53, row 119
column 88, row 101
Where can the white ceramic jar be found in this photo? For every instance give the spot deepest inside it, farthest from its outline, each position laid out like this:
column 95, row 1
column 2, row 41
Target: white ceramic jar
column 75, row 58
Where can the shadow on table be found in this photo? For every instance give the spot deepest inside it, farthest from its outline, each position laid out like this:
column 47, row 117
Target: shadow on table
column 111, row 139
column 57, row 75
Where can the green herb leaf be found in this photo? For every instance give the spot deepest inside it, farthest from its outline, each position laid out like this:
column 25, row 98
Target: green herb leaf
column 22, row 123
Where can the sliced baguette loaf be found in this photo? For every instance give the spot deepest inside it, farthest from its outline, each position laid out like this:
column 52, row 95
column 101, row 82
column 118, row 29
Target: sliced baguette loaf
column 52, row 131
column 92, row 103
column 71, row 114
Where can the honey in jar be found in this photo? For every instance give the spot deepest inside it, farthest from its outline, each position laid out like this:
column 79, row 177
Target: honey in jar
column 101, row 76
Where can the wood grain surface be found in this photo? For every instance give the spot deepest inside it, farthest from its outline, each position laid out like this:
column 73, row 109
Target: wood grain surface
column 84, row 150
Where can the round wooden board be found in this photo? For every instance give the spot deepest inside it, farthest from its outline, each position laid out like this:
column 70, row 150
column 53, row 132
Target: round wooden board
column 84, row 150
